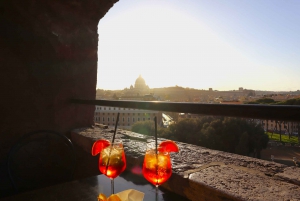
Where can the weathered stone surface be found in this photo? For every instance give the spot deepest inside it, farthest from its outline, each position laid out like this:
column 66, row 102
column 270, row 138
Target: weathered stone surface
column 204, row 174
column 292, row 174
column 244, row 183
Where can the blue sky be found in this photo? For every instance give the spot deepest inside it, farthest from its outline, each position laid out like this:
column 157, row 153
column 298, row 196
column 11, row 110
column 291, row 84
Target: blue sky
column 200, row 44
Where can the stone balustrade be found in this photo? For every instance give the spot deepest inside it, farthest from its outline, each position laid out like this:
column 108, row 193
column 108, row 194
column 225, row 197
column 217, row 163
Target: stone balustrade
column 204, row 174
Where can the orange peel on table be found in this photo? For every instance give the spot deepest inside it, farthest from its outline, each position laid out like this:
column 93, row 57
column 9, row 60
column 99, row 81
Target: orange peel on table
column 99, row 145
column 102, row 197
column 114, row 197
column 168, row 146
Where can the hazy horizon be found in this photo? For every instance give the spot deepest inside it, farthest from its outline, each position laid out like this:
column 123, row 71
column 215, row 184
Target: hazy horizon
column 201, row 44
column 197, row 89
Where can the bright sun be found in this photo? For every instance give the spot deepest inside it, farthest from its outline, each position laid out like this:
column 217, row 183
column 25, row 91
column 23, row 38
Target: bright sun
column 167, row 47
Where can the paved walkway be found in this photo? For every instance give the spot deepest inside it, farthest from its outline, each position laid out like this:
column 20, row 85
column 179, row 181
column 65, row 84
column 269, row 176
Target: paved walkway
column 282, row 154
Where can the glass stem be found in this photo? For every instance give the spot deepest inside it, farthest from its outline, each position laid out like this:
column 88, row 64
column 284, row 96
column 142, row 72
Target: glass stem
column 112, row 186
column 156, row 192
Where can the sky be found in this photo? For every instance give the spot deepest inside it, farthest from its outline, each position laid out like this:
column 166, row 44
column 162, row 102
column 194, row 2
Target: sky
column 201, row 44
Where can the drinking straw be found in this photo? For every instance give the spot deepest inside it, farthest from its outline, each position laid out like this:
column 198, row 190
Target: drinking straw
column 155, row 135
column 113, row 139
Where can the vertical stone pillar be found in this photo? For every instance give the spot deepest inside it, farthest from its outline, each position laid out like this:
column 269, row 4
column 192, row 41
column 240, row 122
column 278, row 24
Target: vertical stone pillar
column 48, row 55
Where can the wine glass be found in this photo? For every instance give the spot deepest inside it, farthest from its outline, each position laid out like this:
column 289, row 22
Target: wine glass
column 112, row 161
column 157, row 167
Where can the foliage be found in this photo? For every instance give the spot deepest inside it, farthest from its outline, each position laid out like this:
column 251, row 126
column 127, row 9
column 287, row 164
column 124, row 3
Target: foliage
column 262, row 101
column 294, row 101
column 233, row 135
column 242, row 148
column 228, row 134
column 147, row 128
column 143, row 127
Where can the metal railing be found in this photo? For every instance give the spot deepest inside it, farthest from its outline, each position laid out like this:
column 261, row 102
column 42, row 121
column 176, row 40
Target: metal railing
column 270, row 112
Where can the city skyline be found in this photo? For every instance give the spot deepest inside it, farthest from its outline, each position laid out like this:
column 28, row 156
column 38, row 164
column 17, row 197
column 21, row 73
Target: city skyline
column 201, row 45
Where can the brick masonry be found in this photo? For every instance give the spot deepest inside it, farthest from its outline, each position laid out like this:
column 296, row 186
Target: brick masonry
column 48, row 56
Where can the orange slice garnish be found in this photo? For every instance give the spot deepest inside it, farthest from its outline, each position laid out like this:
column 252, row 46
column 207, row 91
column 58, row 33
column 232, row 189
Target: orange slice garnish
column 168, row 146
column 114, row 197
column 102, row 197
column 99, row 145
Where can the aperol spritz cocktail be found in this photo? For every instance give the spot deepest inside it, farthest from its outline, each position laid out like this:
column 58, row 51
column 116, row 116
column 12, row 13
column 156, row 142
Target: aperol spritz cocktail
column 112, row 161
column 157, row 167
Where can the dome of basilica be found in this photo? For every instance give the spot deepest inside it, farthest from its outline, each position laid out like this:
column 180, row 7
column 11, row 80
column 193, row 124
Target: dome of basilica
column 140, row 83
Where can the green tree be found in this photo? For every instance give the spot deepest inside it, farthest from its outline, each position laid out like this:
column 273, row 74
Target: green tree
column 294, row 101
column 262, row 101
column 143, row 127
column 148, row 128
column 243, row 146
column 228, row 134
column 188, row 130
column 222, row 133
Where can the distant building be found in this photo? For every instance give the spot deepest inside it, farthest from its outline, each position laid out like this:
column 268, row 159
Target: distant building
column 285, row 126
column 139, row 89
column 128, row 116
column 147, row 97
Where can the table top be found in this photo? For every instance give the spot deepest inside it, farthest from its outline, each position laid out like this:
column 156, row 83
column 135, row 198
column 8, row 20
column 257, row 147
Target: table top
column 88, row 189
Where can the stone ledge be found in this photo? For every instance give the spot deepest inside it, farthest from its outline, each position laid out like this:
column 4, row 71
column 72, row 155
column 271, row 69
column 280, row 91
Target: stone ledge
column 204, row 174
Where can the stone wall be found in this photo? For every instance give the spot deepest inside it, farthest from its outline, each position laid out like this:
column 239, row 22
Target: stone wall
column 48, row 55
column 204, row 174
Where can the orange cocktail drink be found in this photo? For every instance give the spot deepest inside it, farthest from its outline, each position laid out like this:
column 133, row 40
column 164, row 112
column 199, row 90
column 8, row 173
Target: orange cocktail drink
column 157, row 167
column 112, row 160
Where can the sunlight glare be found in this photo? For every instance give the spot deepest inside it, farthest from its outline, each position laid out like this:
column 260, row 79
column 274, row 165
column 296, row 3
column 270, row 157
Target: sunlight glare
column 167, row 47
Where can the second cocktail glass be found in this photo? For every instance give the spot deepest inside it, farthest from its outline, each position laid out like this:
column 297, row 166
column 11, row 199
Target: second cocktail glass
column 157, row 167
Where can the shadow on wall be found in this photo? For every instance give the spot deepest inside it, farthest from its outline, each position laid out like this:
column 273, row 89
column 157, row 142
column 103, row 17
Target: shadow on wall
column 6, row 187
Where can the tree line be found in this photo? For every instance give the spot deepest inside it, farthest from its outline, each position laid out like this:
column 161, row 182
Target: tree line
column 234, row 135
column 270, row 101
